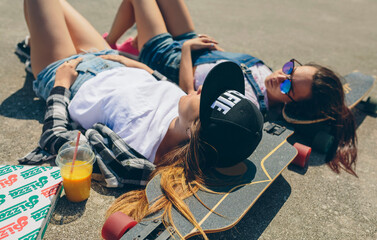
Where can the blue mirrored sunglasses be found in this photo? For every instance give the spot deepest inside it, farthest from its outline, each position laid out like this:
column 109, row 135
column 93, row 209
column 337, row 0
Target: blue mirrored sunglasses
column 288, row 68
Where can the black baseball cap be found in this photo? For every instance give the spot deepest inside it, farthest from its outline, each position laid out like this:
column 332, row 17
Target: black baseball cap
column 230, row 122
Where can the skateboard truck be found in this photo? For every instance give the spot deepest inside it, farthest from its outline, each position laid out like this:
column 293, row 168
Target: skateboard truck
column 274, row 129
column 303, row 152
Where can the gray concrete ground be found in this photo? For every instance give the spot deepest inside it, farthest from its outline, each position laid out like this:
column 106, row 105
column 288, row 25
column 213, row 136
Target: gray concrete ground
column 316, row 204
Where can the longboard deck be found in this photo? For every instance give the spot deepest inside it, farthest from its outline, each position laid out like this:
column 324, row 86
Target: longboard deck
column 357, row 87
column 270, row 158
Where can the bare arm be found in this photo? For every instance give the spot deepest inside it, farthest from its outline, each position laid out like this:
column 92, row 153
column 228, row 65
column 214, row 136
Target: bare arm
column 56, row 128
column 186, row 74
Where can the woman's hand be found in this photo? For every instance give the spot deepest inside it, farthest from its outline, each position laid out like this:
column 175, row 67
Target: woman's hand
column 66, row 73
column 127, row 62
column 217, row 47
column 202, row 42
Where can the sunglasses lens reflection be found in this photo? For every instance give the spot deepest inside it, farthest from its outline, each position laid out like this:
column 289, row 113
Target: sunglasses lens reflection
column 285, row 86
column 288, row 68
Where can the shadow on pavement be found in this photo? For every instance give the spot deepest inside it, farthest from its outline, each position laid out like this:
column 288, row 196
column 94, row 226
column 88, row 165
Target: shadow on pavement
column 116, row 192
column 67, row 212
column 23, row 104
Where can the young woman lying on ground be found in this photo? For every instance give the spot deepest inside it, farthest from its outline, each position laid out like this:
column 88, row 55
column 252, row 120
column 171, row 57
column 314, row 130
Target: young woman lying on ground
column 168, row 43
column 185, row 136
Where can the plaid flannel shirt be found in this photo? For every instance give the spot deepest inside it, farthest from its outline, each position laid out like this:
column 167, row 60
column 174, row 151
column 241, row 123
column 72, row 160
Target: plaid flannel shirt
column 119, row 164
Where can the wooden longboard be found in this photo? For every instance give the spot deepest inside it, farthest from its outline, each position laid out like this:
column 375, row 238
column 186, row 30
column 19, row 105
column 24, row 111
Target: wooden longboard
column 231, row 203
column 357, row 87
column 271, row 157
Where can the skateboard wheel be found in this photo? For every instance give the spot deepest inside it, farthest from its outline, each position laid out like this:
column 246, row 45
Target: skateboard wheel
column 371, row 104
column 116, row 225
column 322, row 142
column 303, row 154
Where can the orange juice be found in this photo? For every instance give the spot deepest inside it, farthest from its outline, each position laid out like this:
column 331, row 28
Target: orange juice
column 77, row 184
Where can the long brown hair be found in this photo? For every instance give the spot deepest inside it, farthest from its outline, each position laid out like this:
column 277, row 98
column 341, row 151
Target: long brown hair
column 183, row 172
column 328, row 101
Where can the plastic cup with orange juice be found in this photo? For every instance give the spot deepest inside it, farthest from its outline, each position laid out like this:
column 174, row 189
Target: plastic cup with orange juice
column 76, row 177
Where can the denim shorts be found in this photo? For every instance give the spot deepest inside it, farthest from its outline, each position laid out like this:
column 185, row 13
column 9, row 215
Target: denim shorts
column 89, row 67
column 163, row 53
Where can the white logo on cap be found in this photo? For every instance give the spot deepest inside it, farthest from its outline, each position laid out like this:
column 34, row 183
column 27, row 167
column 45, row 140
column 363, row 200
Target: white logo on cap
column 226, row 101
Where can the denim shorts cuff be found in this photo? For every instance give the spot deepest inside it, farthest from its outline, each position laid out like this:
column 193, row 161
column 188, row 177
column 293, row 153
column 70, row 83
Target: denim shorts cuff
column 153, row 41
column 188, row 35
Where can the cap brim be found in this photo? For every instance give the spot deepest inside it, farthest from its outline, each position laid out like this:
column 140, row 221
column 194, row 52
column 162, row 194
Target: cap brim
column 224, row 76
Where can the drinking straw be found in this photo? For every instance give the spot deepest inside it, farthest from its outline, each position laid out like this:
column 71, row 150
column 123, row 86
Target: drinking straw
column 75, row 153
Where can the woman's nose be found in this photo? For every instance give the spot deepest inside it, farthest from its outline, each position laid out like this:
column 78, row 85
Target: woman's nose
column 281, row 77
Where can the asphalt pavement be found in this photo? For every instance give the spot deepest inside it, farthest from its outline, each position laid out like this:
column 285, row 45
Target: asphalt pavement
column 313, row 203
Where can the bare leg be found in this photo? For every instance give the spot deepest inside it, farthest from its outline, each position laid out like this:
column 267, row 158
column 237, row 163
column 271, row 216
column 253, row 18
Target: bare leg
column 83, row 34
column 147, row 15
column 26, row 14
column 149, row 20
column 124, row 19
column 177, row 16
column 27, row 21
column 47, row 27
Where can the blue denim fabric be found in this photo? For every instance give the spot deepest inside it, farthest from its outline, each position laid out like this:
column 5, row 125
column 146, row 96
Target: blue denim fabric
column 163, row 53
column 87, row 68
column 214, row 56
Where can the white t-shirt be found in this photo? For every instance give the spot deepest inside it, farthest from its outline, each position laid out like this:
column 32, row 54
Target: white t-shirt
column 259, row 72
column 132, row 103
